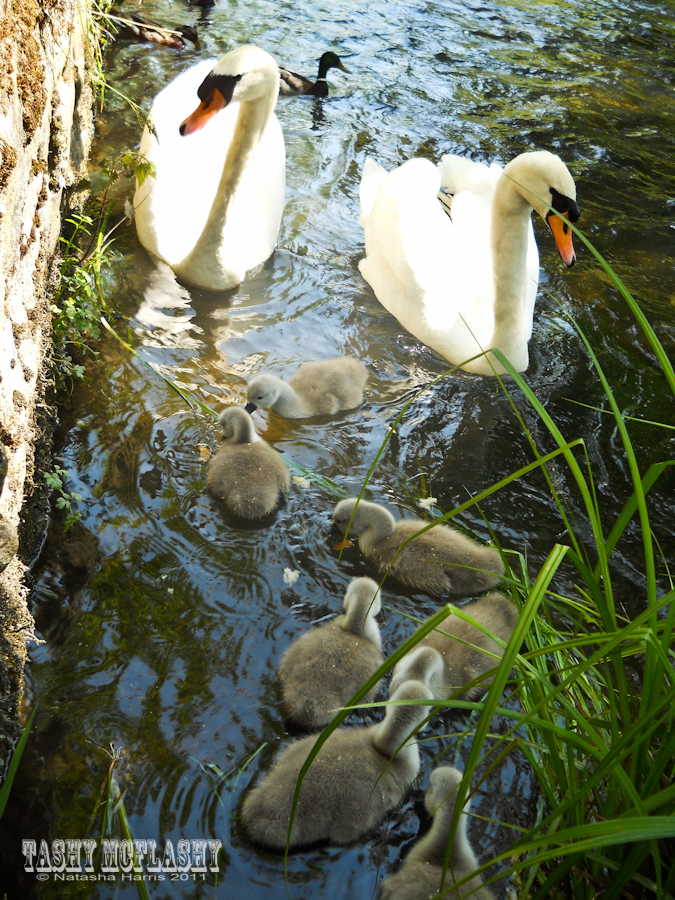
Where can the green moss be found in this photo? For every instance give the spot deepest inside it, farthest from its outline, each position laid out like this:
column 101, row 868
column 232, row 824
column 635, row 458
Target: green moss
column 8, row 162
column 30, row 82
column 38, row 166
column 19, row 31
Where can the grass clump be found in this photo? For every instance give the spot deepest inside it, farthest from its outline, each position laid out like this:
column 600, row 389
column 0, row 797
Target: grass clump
column 592, row 701
column 88, row 248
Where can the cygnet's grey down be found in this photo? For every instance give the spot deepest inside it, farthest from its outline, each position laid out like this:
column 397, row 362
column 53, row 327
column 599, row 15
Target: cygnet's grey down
column 461, row 663
column 325, row 667
column 420, row 875
column 357, row 777
column 437, row 562
column 421, row 664
column 316, row 389
column 246, row 472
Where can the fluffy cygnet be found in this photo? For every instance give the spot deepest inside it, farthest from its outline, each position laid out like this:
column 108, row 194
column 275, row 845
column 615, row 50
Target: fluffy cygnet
column 325, row 667
column 246, row 472
column 420, row 876
column 316, row 389
column 462, row 663
column 421, row 664
column 357, row 777
column 437, row 562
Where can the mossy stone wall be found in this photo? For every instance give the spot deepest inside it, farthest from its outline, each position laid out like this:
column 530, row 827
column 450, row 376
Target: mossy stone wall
column 46, row 123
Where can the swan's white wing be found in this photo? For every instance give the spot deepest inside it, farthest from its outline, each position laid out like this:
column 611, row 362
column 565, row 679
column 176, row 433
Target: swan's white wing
column 433, row 274
column 406, row 233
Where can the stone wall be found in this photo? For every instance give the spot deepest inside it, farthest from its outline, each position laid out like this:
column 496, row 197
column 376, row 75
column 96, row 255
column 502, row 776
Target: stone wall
column 45, row 132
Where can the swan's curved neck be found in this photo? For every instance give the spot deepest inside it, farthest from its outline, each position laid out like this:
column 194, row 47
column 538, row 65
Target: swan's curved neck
column 358, row 622
column 381, row 525
column 204, row 257
column 393, row 731
column 509, row 233
column 288, row 403
column 436, row 840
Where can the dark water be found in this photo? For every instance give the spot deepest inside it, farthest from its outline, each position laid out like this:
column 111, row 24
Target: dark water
column 162, row 621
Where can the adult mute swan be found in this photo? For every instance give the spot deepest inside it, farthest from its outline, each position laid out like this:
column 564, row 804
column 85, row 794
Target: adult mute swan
column 213, row 210
column 465, row 283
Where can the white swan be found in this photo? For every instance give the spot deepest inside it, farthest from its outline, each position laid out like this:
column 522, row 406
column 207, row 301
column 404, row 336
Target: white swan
column 213, row 210
column 466, row 283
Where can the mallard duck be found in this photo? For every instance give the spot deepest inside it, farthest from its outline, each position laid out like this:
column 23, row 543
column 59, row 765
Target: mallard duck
column 317, row 388
column 294, row 85
column 213, row 208
column 439, row 561
column 139, row 29
column 468, row 282
column 246, row 473
column 357, row 777
column 325, row 667
column 420, row 875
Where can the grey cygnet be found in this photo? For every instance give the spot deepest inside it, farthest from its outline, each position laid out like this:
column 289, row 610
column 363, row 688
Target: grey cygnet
column 325, row 667
column 246, row 472
column 462, row 663
column 316, row 389
column 420, row 875
column 421, row 664
column 357, row 777
column 437, row 562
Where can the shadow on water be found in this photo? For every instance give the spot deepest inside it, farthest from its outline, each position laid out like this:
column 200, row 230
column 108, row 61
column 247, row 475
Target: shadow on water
column 163, row 621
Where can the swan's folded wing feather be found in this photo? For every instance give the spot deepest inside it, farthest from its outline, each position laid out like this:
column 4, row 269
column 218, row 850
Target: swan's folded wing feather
column 371, row 181
column 407, row 237
column 461, row 174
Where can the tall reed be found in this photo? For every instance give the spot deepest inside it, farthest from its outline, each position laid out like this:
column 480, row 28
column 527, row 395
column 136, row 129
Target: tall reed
column 602, row 747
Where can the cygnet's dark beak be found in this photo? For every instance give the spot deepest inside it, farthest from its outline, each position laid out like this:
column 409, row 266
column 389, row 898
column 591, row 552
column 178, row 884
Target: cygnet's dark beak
column 250, row 407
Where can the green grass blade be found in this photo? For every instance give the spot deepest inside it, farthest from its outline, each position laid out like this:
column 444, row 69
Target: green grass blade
column 6, row 788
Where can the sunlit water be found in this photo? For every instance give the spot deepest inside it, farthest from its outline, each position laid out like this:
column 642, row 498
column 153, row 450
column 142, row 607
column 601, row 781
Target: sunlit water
column 163, row 621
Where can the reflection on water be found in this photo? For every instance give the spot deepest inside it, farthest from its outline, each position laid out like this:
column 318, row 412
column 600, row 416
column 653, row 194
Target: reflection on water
column 163, row 621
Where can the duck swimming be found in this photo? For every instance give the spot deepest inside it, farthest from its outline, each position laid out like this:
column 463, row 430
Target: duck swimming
column 294, row 85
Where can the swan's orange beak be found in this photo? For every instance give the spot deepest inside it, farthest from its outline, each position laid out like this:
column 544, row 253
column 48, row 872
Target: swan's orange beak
column 562, row 234
column 205, row 111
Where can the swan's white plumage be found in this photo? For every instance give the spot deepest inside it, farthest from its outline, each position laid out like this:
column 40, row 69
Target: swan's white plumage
column 172, row 209
column 434, row 273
